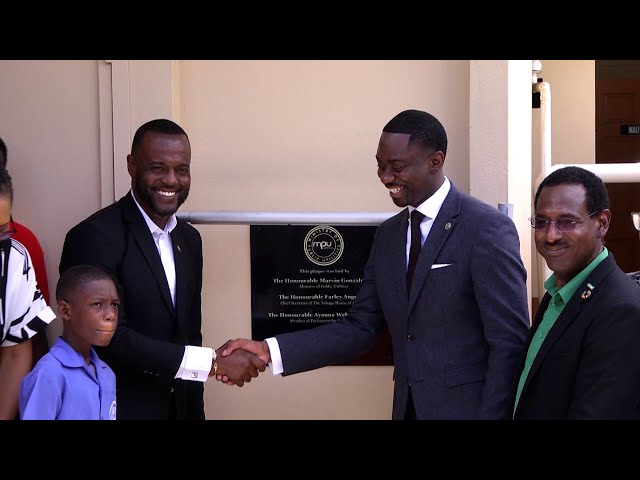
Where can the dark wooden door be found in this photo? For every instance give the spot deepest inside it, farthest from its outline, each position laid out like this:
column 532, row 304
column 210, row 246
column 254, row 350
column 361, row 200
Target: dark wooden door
column 618, row 104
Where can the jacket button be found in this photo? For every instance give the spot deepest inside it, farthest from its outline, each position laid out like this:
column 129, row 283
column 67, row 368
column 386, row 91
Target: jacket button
column 411, row 337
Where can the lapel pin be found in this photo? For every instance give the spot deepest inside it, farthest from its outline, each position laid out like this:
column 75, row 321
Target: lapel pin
column 447, row 225
column 178, row 247
column 587, row 293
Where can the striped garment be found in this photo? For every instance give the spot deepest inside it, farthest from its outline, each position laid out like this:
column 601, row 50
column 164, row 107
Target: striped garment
column 23, row 310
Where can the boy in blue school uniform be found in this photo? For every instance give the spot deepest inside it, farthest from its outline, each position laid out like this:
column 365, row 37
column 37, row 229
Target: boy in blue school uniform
column 70, row 382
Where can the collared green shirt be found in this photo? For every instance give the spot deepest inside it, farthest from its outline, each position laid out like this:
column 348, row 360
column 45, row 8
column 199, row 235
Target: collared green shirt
column 559, row 298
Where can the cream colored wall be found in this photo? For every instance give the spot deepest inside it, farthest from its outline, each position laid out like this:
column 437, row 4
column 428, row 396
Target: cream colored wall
column 500, row 140
column 573, row 115
column 49, row 122
column 279, row 132
column 302, row 136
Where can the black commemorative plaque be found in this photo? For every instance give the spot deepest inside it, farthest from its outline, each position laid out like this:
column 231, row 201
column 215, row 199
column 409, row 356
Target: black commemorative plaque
column 303, row 276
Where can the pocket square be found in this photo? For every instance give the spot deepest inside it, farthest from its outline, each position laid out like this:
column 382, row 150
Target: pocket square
column 439, row 265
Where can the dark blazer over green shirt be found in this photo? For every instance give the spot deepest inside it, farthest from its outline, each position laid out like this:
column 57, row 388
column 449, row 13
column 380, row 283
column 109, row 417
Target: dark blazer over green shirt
column 588, row 366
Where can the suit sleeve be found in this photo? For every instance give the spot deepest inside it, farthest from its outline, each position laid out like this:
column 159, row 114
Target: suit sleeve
column 95, row 243
column 499, row 283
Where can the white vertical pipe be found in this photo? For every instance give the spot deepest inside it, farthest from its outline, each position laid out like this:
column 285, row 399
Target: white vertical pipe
column 545, row 105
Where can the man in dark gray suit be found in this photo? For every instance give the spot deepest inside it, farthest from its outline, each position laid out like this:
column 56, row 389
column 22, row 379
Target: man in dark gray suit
column 458, row 331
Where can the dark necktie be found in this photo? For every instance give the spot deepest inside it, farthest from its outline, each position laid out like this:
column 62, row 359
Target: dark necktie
column 416, row 245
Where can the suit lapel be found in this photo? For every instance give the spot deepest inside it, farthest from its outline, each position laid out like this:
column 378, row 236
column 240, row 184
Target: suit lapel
column 180, row 253
column 566, row 318
column 442, row 227
column 390, row 258
column 144, row 239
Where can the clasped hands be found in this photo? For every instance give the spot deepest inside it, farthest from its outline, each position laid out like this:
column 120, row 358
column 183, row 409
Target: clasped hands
column 240, row 360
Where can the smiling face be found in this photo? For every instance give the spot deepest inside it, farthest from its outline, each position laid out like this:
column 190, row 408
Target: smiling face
column 568, row 253
column 90, row 315
column 160, row 174
column 411, row 172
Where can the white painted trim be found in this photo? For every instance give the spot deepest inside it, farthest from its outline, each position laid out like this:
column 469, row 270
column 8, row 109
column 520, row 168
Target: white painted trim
column 105, row 127
column 121, row 124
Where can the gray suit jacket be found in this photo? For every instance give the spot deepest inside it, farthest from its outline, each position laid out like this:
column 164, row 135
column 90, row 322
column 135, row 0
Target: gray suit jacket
column 458, row 337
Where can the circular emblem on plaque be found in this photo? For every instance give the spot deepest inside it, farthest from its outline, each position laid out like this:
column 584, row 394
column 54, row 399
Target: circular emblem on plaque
column 323, row 245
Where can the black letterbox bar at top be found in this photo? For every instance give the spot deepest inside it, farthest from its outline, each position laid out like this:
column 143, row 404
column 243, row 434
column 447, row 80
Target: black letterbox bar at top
column 629, row 129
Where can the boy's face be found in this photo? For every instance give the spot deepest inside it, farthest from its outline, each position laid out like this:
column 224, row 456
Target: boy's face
column 91, row 314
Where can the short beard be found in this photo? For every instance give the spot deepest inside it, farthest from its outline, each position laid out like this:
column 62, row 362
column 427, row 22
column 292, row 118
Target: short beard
column 145, row 198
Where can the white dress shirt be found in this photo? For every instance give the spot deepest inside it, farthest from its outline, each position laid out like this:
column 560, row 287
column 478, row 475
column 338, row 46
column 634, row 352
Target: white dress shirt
column 196, row 361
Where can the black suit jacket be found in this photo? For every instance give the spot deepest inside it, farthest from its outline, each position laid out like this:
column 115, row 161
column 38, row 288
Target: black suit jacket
column 457, row 338
column 588, row 366
column 149, row 343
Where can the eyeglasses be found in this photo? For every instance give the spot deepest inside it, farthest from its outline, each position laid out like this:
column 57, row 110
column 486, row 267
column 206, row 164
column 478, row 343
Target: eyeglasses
column 7, row 234
column 562, row 225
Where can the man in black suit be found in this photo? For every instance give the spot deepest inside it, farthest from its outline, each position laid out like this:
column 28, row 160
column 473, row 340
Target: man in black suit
column 459, row 323
column 583, row 359
column 156, row 259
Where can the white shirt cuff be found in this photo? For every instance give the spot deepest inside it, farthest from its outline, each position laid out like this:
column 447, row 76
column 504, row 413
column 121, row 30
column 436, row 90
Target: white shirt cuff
column 276, row 358
column 196, row 364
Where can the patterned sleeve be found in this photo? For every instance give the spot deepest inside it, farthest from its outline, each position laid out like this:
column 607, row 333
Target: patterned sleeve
column 26, row 311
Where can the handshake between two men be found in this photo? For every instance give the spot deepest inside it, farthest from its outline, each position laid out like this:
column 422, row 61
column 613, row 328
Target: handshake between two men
column 238, row 361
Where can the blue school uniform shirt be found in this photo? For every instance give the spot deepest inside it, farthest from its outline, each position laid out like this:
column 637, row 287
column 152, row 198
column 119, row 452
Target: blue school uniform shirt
column 63, row 387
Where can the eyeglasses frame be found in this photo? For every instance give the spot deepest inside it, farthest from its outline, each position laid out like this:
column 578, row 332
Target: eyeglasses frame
column 573, row 223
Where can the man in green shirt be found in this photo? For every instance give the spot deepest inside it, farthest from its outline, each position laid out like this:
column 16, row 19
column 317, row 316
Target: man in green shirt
column 583, row 359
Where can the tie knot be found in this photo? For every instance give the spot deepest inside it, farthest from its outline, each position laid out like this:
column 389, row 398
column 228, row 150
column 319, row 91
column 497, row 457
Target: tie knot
column 416, row 216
